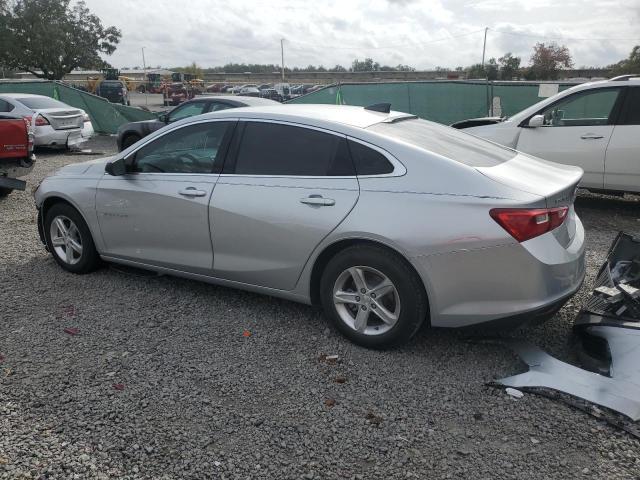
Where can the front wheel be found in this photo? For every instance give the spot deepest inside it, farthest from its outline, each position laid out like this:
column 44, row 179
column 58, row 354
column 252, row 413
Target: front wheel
column 69, row 239
column 373, row 296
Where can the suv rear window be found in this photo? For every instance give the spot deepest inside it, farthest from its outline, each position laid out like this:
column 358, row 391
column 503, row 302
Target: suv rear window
column 446, row 141
column 35, row 103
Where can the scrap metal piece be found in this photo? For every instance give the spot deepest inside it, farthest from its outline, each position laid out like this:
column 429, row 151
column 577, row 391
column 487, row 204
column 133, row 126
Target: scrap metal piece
column 621, row 392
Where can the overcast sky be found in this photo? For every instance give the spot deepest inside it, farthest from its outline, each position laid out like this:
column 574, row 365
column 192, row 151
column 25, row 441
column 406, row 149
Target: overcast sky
column 421, row 33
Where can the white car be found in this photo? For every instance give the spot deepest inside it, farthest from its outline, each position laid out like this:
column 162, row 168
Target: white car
column 595, row 126
column 56, row 123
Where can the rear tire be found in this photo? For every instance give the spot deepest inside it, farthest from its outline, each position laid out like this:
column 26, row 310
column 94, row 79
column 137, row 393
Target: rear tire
column 5, row 191
column 72, row 245
column 373, row 296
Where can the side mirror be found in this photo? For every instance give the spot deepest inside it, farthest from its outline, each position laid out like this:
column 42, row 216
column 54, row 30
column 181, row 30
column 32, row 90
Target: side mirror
column 116, row 168
column 536, row 121
column 164, row 118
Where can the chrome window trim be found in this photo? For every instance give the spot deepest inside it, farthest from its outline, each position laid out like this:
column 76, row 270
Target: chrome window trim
column 398, row 168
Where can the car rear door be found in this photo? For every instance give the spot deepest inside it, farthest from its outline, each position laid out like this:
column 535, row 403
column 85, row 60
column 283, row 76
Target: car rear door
column 576, row 131
column 622, row 164
column 284, row 188
column 157, row 213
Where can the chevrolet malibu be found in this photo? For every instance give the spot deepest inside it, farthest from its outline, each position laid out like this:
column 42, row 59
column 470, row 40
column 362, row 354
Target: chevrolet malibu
column 385, row 220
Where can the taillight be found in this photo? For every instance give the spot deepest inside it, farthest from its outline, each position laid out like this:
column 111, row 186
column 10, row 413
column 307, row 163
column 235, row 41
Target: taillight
column 40, row 120
column 86, row 118
column 527, row 223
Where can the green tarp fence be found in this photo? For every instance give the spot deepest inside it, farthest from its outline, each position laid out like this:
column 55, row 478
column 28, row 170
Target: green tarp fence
column 440, row 101
column 105, row 117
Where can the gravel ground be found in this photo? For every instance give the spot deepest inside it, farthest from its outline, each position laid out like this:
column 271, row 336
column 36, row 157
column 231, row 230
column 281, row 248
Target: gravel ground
column 161, row 382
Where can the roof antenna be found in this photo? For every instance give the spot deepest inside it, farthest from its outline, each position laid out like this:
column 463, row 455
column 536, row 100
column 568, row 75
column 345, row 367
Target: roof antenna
column 379, row 107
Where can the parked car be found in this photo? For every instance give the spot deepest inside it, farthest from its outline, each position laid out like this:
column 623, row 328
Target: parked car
column 56, row 124
column 386, row 220
column 214, row 88
column 249, row 92
column 595, row 126
column 130, row 133
column 114, row 90
column 264, row 86
column 271, row 93
column 16, row 152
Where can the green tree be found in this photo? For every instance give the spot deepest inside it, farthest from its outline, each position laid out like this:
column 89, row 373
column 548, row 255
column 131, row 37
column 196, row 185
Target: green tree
column 509, row 66
column 547, row 61
column 50, row 38
column 488, row 71
column 629, row 65
column 366, row 65
column 194, row 70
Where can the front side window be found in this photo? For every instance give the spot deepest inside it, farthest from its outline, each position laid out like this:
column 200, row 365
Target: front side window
column 276, row 149
column 188, row 110
column 631, row 110
column 190, row 149
column 582, row 109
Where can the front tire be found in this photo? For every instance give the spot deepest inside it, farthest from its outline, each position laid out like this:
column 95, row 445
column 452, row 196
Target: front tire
column 373, row 296
column 69, row 239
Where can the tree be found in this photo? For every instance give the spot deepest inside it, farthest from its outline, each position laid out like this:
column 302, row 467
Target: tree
column 488, row 71
column 509, row 66
column 366, row 65
column 629, row 65
column 548, row 60
column 50, row 38
column 194, row 70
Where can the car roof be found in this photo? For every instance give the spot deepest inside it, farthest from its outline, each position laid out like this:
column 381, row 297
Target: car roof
column 249, row 101
column 23, row 95
column 318, row 115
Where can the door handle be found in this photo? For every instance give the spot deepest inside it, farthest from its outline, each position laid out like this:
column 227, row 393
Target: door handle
column 318, row 201
column 192, row 192
column 591, row 136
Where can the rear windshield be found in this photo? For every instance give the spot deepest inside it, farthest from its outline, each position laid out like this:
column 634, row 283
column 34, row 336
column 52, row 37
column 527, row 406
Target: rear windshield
column 446, row 141
column 111, row 86
column 36, row 103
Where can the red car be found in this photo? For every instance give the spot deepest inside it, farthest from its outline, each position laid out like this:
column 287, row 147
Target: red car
column 16, row 152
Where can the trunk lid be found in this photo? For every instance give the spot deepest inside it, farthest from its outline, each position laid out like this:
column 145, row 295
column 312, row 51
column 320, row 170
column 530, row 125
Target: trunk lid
column 556, row 183
column 63, row 119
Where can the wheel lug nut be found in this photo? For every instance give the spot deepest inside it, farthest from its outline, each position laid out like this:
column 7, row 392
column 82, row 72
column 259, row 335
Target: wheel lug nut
column 364, row 307
column 362, row 290
column 373, row 305
column 357, row 299
column 373, row 295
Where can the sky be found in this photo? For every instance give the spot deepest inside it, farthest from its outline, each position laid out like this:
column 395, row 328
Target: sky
column 421, row 33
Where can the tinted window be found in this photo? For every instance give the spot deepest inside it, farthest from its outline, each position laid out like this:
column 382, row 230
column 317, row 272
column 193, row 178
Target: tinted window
column 216, row 106
column 190, row 149
column 369, row 161
column 582, row 109
column 446, row 141
column 631, row 112
column 275, row 149
column 35, row 103
column 5, row 106
column 188, row 110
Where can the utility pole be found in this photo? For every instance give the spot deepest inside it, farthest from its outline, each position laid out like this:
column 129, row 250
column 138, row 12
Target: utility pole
column 282, row 55
column 484, row 45
column 144, row 78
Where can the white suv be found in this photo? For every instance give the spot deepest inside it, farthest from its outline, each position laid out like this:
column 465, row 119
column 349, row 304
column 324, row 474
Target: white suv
column 595, row 126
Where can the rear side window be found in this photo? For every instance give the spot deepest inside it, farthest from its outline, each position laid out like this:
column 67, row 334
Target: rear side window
column 276, row 149
column 446, row 141
column 631, row 112
column 5, row 106
column 369, row 161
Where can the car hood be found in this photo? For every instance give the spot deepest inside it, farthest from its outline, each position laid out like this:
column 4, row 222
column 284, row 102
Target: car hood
column 83, row 168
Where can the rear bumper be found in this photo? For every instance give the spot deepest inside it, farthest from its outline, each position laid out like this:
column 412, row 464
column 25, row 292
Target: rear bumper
column 48, row 137
column 506, row 285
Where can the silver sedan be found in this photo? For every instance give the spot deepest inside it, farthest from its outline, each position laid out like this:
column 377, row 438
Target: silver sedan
column 385, row 220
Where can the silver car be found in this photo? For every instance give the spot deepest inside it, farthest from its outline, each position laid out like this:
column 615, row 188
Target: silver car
column 385, row 220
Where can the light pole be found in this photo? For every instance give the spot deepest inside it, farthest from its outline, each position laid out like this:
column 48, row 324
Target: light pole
column 484, row 45
column 144, row 78
column 282, row 55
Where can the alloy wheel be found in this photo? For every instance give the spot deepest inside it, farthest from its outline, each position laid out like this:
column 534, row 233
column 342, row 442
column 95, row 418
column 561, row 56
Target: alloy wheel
column 66, row 240
column 366, row 300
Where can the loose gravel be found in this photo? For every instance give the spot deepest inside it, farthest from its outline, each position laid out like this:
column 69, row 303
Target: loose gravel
column 164, row 378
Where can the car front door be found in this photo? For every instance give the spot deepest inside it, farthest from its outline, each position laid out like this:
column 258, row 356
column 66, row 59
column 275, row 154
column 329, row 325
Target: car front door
column 622, row 164
column 157, row 213
column 283, row 189
column 576, row 131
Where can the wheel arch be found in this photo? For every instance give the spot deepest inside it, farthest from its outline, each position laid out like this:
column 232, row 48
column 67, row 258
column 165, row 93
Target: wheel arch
column 323, row 258
column 49, row 202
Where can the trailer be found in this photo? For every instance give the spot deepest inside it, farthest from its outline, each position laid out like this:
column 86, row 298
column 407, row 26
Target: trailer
column 16, row 152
